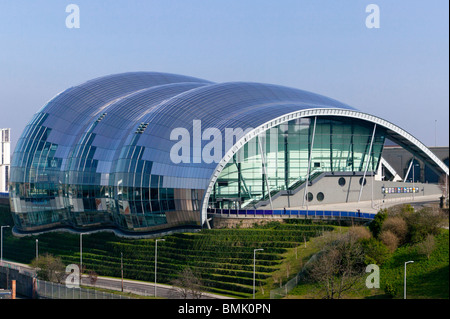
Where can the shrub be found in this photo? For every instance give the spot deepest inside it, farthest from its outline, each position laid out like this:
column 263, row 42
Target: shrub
column 375, row 251
column 422, row 223
column 390, row 290
column 389, row 239
column 377, row 222
column 400, row 210
column 427, row 246
column 397, row 226
column 360, row 233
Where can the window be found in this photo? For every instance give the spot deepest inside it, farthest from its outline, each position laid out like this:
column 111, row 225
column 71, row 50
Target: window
column 341, row 181
column 320, row 196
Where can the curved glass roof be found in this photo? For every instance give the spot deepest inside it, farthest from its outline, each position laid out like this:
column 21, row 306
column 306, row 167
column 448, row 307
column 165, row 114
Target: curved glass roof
column 105, row 125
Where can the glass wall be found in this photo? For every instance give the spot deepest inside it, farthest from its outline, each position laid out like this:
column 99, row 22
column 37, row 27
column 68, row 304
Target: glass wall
column 285, row 157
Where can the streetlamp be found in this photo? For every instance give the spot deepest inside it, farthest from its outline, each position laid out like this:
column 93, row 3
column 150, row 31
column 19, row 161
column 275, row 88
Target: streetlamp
column 156, row 258
column 37, row 249
column 1, row 244
column 254, row 269
column 81, row 254
column 435, row 135
column 404, row 289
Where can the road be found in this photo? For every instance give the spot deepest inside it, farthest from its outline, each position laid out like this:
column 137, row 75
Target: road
column 132, row 286
column 143, row 288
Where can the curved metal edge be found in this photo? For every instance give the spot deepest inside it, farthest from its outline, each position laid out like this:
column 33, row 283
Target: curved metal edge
column 308, row 113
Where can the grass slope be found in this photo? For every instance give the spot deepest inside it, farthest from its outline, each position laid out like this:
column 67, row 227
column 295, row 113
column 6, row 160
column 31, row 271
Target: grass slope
column 222, row 257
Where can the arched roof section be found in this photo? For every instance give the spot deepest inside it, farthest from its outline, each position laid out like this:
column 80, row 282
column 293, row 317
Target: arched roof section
column 106, row 125
column 393, row 132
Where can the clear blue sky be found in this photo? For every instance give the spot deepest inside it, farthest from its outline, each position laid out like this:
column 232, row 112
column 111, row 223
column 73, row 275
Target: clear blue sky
column 399, row 72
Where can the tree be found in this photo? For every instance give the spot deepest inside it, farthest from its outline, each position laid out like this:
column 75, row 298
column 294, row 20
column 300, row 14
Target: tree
column 397, row 226
column 360, row 232
column 444, row 184
column 188, row 284
column 92, row 277
column 422, row 223
column 49, row 268
column 375, row 251
column 427, row 246
column 389, row 239
column 377, row 222
column 339, row 266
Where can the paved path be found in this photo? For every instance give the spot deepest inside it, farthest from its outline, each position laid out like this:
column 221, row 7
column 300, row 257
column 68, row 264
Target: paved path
column 137, row 287
column 369, row 207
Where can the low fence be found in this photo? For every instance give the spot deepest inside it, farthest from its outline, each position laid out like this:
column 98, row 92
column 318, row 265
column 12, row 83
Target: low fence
column 51, row 290
column 27, row 286
column 288, row 213
column 281, row 292
column 278, row 293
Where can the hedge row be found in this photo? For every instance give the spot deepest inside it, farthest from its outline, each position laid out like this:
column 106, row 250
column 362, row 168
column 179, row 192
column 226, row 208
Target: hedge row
column 223, row 257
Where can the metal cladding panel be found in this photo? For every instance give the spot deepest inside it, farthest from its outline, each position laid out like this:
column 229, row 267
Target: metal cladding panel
column 102, row 148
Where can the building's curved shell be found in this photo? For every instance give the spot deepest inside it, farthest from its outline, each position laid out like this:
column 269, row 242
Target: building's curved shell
column 99, row 154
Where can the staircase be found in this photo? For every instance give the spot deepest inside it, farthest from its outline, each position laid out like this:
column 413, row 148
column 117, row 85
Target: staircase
column 292, row 190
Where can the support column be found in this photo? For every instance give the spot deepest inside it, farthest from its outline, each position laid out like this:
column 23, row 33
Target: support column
column 309, row 161
column 265, row 170
column 368, row 161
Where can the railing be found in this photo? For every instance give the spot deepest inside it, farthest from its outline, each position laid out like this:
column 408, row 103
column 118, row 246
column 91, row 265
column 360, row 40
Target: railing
column 281, row 292
column 293, row 189
column 289, row 213
column 51, row 290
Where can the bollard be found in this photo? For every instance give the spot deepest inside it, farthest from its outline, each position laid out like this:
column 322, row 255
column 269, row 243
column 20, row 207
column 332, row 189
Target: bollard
column 13, row 289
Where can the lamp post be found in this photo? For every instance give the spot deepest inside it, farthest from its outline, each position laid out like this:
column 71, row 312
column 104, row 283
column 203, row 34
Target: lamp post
column 254, row 269
column 404, row 289
column 156, row 258
column 1, row 244
column 121, row 267
column 81, row 254
column 37, row 249
column 435, row 135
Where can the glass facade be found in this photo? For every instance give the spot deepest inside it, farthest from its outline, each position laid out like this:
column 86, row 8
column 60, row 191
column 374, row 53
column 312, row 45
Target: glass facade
column 98, row 155
column 285, row 157
column 77, row 163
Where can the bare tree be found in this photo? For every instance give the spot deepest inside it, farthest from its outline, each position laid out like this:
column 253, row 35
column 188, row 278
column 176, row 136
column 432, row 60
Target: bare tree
column 427, row 246
column 397, row 225
column 277, row 279
column 49, row 268
column 92, row 277
column 188, row 284
column 338, row 266
column 389, row 239
column 288, row 270
column 443, row 184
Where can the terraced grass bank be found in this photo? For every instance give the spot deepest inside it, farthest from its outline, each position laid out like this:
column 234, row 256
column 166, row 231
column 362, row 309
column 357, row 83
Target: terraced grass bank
column 222, row 257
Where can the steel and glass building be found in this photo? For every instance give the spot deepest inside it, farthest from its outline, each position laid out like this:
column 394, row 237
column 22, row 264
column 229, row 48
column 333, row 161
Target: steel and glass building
column 5, row 142
column 142, row 152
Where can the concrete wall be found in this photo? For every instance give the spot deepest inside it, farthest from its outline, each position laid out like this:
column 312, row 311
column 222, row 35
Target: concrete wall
column 24, row 282
column 334, row 193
